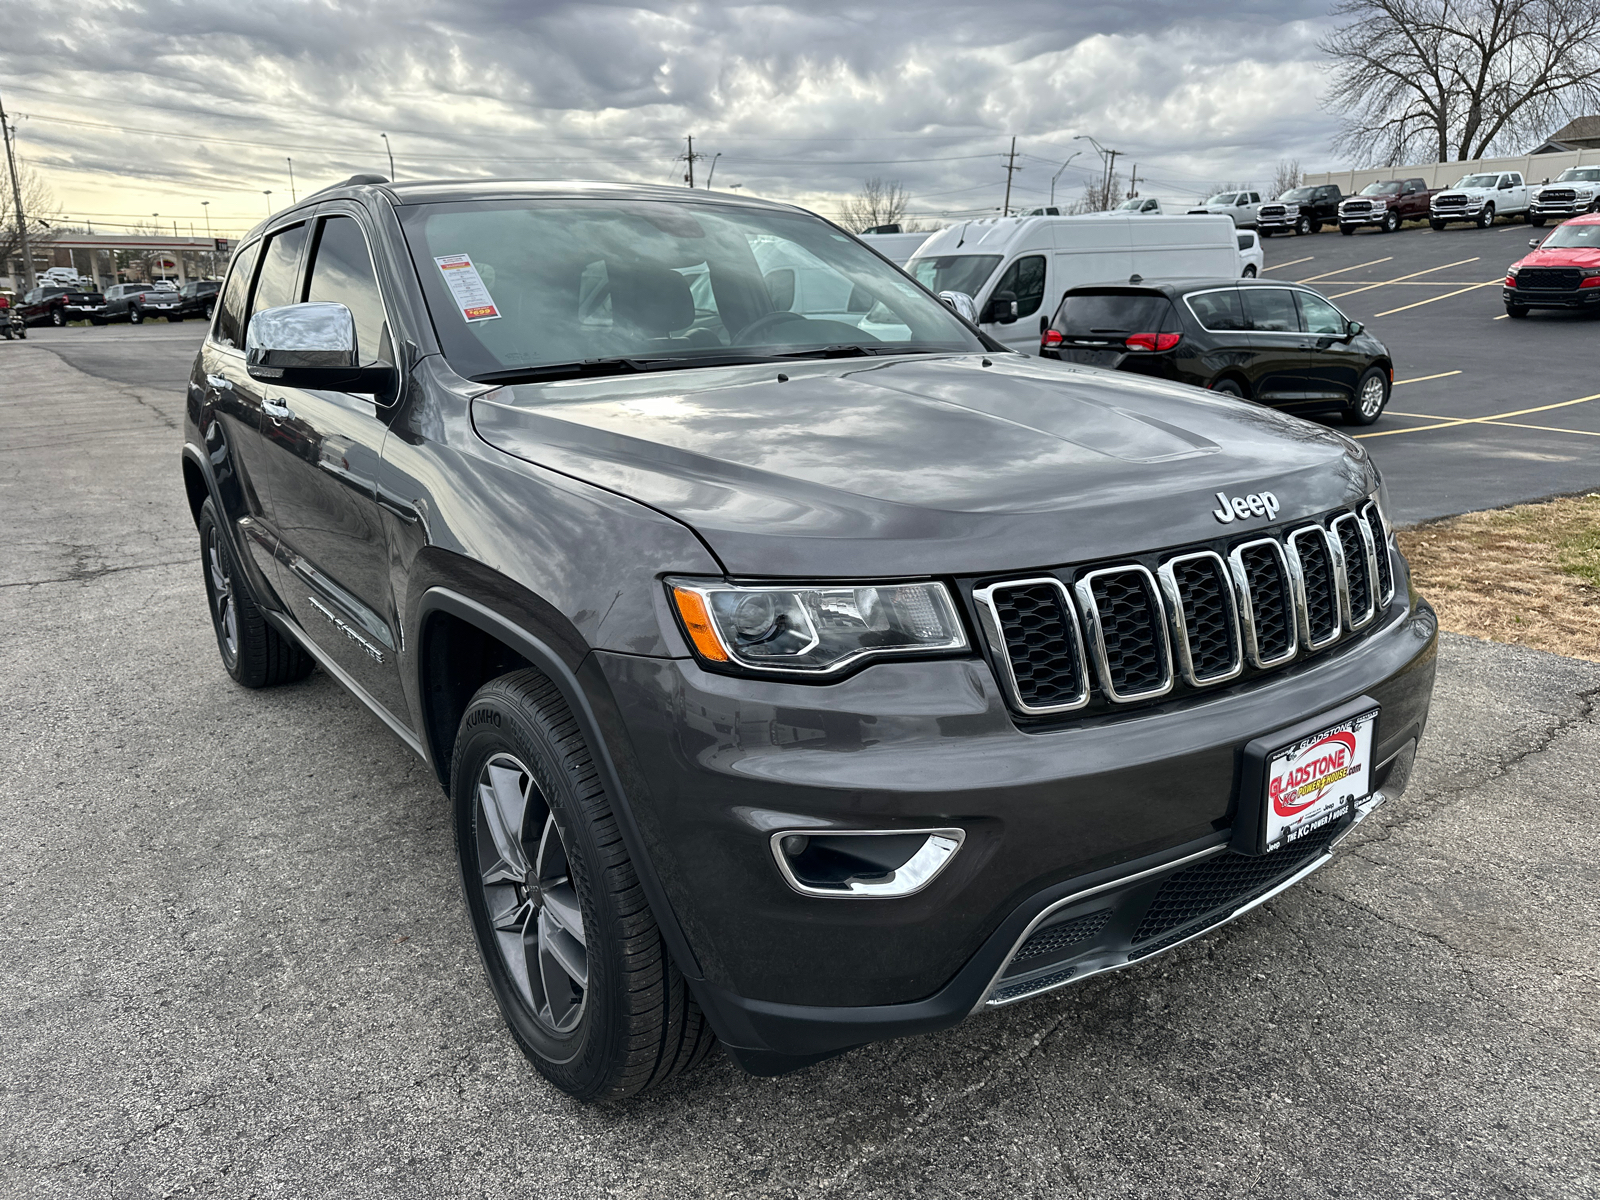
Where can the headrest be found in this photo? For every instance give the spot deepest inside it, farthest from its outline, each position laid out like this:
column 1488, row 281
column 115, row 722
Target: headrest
column 653, row 298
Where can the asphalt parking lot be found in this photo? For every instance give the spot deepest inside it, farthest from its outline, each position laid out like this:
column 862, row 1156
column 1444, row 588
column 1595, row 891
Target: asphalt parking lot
column 237, row 962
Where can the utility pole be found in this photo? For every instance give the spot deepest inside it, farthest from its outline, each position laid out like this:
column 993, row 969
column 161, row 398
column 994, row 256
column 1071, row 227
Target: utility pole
column 388, row 149
column 16, row 200
column 293, row 199
column 1011, row 169
column 689, row 158
column 1111, row 174
column 1133, row 182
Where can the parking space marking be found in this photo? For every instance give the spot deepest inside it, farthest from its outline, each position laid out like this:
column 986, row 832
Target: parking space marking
column 1425, row 378
column 1495, row 282
column 1502, row 316
column 1345, row 270
column 1402, row 279
column 1293, row 262
column 1545, row 428
column 1491, row 419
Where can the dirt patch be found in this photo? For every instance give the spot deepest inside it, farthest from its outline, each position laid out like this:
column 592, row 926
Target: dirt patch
column 1529, row 574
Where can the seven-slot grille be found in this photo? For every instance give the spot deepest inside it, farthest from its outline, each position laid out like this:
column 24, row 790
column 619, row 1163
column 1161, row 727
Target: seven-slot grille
column 1558, row 196
column 1554, row 279
column 1450, row 200
column 1269, row 601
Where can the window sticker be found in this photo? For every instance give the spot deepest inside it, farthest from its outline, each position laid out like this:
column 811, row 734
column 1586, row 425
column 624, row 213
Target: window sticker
column 467, row 287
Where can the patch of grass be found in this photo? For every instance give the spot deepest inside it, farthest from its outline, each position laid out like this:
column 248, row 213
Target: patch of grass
column 1529, row 574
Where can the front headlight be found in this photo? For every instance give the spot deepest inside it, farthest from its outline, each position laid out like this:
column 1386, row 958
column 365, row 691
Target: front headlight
column 814, row 629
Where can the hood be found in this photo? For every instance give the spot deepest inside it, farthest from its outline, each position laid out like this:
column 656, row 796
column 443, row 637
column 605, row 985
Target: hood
column 1572, row 256
column 924, row 465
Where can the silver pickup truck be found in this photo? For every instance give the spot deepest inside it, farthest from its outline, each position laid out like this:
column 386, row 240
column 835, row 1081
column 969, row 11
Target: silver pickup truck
column 1480, row 199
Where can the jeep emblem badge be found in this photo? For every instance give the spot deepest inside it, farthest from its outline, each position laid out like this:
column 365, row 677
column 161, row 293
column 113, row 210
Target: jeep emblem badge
column 1242, row 508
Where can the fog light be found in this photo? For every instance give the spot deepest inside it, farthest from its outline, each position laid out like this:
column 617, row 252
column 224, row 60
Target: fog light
column 864, row 864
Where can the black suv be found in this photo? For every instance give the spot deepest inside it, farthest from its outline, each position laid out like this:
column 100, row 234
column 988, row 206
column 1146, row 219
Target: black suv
column 804, row 669
column 1275, row 343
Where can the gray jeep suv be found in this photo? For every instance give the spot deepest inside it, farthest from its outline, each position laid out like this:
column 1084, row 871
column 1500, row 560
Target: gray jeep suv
column 804, row 669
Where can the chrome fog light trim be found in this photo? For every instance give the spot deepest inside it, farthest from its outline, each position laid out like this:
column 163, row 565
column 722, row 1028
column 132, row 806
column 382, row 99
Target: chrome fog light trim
column 912, row 876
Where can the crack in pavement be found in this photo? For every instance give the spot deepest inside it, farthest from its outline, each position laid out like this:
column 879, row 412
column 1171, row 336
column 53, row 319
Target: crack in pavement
column 87, row 575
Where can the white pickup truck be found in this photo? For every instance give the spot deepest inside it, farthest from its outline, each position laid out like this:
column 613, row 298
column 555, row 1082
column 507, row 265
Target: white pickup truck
column 1480, row 199
column 1576, row 192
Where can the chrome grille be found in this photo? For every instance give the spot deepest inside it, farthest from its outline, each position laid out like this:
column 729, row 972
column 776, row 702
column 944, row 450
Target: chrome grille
column 1129, row 634
column 1454, row 200
column 1032, row 622
column 1558, row 195
column 1127, row 628
column 1357, row 206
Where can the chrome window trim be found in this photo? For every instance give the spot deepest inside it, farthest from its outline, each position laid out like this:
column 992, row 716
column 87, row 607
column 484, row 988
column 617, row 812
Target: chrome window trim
column 1089, row 609
column 1335, row 573
column 989, row 620
column 1350, row 621
column 1379, row 539
column 1167, row 574
column 1247, row 615
column 1187, row 296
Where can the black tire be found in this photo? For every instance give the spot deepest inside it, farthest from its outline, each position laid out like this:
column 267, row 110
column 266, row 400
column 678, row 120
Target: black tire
column 1302, row 226
column 135, row 315
column 1516, row 311
column 1249, row 271
column 1348, row 230
column 632, row 1023
column 97, row 321
column 57, row 318
column 1228, row 387
column 1266, row 233
column 1391, row 222
column 1372, row 397
column 1536, row 222
column 253, row 652
column 1436, row 226
column 1486, row 218
column 173, row 318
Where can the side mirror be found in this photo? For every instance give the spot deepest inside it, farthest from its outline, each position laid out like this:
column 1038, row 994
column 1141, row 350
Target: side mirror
column 1002, row 308
column 1535, row 242
column 311, row 346
column 1353, row 329
column 963, row 305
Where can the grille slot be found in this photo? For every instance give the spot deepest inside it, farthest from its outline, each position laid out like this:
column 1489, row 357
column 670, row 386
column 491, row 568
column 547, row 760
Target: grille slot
column 1054, row 938
column 1205, row 619
column 1378, row 532
column 1225, row 882
column 1356, row 552
column 1033, row 629
column 1552, row 279
column 1267, row 602
column 1129, row 632
column 1312, row 560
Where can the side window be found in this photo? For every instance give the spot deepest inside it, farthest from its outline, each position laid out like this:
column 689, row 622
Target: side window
column 1318, row 316
column 1271, row 310
column 341, row 273
column 1219, row 311
column 1255, row 197
column 1024, row 279
column 1150, row 206
column 280, row 270
column 229, row 329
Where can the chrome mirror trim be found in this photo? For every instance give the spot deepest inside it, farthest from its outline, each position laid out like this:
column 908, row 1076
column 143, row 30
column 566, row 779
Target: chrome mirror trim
column 921, row 869
column 994, row 634
column 1168, row 577
column 314, row 334
column 1090, row 609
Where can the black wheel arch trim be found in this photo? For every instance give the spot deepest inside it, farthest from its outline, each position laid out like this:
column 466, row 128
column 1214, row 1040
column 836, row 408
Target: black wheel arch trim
column 576, row 693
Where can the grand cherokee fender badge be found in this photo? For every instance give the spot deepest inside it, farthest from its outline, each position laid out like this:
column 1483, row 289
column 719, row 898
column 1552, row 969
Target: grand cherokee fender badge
column 1242, row 508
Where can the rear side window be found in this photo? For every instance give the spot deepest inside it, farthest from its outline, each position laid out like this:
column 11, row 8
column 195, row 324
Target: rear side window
column 231, row 312
column 1095, row 314
column 1271, row 310
column 1024, row 279
column 341, row 273
column 1220, row 311
column 280, row 269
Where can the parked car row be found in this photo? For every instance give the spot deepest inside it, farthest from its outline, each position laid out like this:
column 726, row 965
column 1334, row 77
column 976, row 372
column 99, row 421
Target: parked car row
column 131, row 302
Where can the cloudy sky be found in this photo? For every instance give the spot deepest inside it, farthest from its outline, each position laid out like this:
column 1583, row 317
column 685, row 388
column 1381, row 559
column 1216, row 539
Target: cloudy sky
column 130, row 108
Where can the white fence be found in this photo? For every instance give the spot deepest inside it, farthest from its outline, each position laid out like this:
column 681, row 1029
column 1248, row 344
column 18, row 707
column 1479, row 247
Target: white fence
column 1535, row 168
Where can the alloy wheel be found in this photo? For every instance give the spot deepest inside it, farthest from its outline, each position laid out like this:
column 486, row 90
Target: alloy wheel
column 224, row 610
column 528, row 893
column 1372, row 397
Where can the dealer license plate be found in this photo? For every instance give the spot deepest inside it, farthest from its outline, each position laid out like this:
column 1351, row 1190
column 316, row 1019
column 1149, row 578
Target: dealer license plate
column 1318, row 779
column 1094, row 358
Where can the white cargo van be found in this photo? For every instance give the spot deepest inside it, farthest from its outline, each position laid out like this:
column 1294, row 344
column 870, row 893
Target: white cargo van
column 1016, row 268
column 898, row 248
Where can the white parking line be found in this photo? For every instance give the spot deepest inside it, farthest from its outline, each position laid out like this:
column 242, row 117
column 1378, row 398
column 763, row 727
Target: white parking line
column 1292, row 262
column 1425, row 378
column 1343, row 270
column 1495, row 282
column 1403, row 278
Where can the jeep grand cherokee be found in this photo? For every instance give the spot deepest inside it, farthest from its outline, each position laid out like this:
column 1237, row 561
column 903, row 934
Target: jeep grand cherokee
column 803, row 668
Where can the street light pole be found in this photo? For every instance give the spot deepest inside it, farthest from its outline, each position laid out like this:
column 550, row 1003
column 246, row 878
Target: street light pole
column 1107, row 157
column 1057, row 175
column 293, row 199
column 16, row 199
column 711, row 174
column 267, row 192
column 388, row 149
column 206, row 205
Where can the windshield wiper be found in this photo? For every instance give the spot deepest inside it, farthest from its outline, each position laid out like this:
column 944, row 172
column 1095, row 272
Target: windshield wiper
column 621, row 365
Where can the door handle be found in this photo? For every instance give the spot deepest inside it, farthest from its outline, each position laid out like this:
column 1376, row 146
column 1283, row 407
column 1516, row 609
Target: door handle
column 219, row 383
column 277, row 409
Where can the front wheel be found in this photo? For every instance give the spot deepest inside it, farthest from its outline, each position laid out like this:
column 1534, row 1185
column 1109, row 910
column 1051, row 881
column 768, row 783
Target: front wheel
column 253, row 652
column 1487, row 217
column 1348, row 230
column 1516, row 311
column 1372, row 394
column 572, row 952
column 135, row 316
column 1436, row 226
column 1536, row 222
column 57, row 318
column 1303, row 226
column 1250, row 271
column 1391, row 222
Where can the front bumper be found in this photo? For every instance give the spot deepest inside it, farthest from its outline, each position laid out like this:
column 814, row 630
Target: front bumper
column 1466, row 212
column 1277, row 224
column 1561, row 210
column 1117, row 804
column 1536, row 298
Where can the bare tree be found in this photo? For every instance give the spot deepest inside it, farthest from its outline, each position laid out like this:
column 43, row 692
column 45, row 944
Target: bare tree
column 37, row 199
column 879, row 202
column 1458, row 78
column 1287, row 176
column 1099, row 195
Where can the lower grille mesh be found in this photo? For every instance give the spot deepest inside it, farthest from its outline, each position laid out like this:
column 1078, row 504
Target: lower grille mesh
column 1054, row 938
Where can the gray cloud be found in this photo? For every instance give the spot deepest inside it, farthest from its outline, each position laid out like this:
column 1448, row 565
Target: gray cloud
column 802, row 100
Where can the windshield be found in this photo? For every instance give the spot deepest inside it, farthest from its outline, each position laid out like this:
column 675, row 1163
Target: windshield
column 954, row 272
column 1381, row 189
column 1297, row 194
column 518, row 285
column 1580, row 175
column 1130, row 205
column 1570, row 236
column 1478, row 181
column 1223, row 198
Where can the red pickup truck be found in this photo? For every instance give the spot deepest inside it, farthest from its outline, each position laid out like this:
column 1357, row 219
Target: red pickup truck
column 1387, row 204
